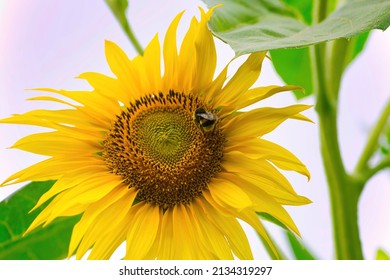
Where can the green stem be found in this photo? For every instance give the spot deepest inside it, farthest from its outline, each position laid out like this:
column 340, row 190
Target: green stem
column 372, row 142
column 364, row 177
column 336, row 55
column 118, row 8
column 132, row 38
column 344, row 192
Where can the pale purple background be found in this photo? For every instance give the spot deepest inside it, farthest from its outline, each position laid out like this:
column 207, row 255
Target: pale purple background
column 46, row 43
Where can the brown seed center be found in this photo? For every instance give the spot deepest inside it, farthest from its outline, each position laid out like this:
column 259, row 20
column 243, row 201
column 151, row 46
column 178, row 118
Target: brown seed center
column 158, row 146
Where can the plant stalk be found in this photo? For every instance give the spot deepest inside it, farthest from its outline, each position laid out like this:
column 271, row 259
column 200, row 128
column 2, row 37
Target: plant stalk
column 372, row 142
column 118, row 8
column 344, row 192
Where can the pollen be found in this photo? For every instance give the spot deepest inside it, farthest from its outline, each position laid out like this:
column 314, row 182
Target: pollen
column 157, row 146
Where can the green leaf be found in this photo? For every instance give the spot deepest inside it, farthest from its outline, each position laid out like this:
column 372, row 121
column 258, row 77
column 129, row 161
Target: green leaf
column 294, row 67
column 382, row 255
column 271, row 219
column 303, row 7
column 280, row 255
column 252, row 26
column 50, row 242
column 299, row 250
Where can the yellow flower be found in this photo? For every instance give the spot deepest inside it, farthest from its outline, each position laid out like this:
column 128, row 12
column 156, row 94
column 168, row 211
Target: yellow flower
column 166, row 163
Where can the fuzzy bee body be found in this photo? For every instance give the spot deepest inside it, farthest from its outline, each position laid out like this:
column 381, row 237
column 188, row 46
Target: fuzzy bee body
column 206, row 120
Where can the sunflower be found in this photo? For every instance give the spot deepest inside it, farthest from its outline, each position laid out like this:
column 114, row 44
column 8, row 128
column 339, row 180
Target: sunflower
column 167, row 163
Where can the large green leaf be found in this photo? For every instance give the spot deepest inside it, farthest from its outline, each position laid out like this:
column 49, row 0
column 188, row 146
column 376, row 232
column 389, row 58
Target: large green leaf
column 257, row 25
column 304, row 8
column 275, row 25
column 50, row 242
column 294, row 66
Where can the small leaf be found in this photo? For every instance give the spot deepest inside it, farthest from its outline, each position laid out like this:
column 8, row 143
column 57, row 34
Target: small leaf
column 273, row 256
column 267, row 25
column 382, row 255
column 272, row 219
column 299, row 250
column 50, row 242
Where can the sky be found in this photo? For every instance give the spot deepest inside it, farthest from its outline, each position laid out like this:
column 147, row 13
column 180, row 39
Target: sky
column 46, row 43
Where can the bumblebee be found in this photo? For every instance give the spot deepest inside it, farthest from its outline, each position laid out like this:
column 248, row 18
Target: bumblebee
column 205, row 120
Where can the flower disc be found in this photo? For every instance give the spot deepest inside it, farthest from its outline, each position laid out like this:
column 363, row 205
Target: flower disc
column 156, row 146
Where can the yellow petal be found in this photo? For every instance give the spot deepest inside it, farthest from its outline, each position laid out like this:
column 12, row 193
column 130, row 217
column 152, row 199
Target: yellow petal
column 166, row 247
column 106, row 243
column 49, row 169
column 244, row 78
column 282, row 158
column 214, row 88
column 274, row 189
column 55, row 143
column 143, row 231
column 262, row 202
column 94, row 103
column 226, row 220
column 228, row 195
column 261, row 121
column 124, row 69
column 111, row 235
column 210, row 235
column 206, row 57
column 170, row 79
column 257, row 148
column 51, row 99
column 116, row 203
column 183, row 235
column 231, row 228
column 85, row 194
column 237, row 162
column 254, row 95
column 186, row 63
column 152, row 62
column 102, row 224
column 251, row 218
column 70, row 180
column 107, row 86
column 52, row 119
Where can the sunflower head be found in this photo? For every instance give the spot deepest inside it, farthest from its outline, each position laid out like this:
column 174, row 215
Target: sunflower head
column 167, row 163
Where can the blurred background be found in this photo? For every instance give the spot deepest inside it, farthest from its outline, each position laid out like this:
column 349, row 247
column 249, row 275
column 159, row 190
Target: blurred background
column 46, row 43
